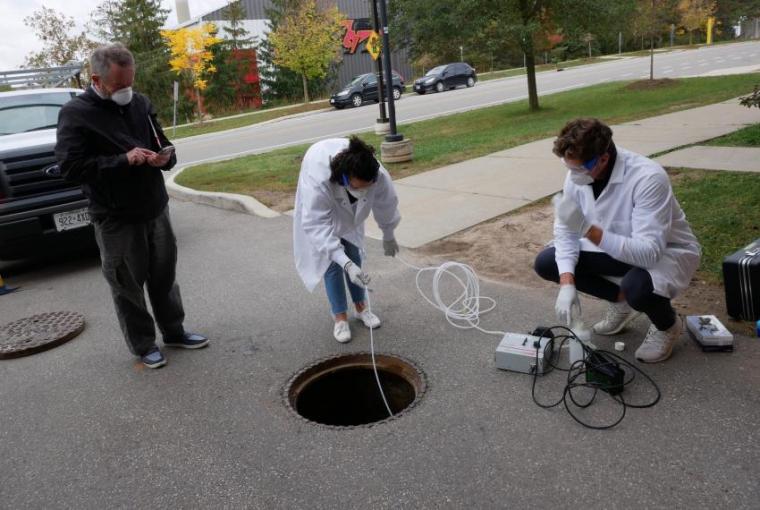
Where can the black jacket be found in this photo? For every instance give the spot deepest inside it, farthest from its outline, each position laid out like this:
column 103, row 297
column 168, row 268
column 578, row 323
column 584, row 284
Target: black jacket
column 94, row 136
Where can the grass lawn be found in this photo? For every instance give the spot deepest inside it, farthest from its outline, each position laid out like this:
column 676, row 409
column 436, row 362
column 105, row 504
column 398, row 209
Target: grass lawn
column 746, row 137
column 447, row 140
column 243, row 120
column 722, row 209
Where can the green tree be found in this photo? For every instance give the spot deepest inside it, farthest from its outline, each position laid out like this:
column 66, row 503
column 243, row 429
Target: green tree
column 60, row 42
column 307, row 41
column 236, row 34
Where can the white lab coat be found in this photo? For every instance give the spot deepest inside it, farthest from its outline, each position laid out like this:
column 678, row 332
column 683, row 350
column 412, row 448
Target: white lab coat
column 643, row 224
column 324, row 215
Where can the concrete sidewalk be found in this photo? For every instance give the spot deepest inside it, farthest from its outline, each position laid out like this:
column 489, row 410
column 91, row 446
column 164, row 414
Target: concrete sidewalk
column 440, row 202
column 736, row 159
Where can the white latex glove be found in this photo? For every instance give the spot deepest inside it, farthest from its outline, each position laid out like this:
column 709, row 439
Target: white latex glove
column 356, row 275
column 390, row 247
column 569, row 214
column 568, row 305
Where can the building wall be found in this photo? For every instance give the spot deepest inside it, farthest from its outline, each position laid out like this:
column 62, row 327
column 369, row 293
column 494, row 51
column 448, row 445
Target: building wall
column 353, row 64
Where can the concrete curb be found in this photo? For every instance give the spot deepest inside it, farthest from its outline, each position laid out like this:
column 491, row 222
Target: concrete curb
column 230, row 201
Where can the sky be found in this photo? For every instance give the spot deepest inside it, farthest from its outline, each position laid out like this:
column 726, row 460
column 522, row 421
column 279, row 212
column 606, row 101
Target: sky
column 17, row 41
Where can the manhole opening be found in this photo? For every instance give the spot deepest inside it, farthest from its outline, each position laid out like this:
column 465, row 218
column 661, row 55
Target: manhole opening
column 342, row 391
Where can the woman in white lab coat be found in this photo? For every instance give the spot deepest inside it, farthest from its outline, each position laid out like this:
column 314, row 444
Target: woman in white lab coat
column 340, row 183
column 617, row 217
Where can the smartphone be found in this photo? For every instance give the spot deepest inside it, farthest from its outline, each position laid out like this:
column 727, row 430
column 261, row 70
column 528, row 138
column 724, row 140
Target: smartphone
column 167, row 151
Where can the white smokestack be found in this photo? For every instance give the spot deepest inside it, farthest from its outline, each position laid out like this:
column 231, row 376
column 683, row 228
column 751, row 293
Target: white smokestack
column 183, row 11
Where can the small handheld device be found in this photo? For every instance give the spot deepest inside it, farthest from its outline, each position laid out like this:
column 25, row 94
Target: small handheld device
column 710, row 333
column 167, row 151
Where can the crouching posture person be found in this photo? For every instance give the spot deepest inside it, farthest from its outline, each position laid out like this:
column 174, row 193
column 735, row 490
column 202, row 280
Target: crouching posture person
column 617, row 217
column 340, row 183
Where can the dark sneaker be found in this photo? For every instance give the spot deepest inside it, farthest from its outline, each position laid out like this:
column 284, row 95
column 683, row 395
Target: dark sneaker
column 187, row 341
column 154, row 358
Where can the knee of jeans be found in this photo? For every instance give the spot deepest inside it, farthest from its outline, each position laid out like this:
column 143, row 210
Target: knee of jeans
column 637, row 288
column 545, row 265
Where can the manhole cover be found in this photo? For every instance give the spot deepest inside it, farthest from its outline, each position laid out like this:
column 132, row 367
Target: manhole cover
column 38, row 333
column 342, row 391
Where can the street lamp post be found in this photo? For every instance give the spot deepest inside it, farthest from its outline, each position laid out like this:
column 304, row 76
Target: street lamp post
column 395, row 148
column 381, row 126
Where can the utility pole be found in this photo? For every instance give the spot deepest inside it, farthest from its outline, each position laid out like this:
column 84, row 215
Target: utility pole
column 394, row 149
column 461, row 53
column 381, row 125
column 620, row 43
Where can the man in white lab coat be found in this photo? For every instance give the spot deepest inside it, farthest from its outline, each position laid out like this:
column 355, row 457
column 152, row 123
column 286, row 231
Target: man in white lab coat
column 340, row 183
column 617, row 217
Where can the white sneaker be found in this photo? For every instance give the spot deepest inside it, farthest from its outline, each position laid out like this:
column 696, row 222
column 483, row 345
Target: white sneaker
column 369, row 319
column 342, row 332
column 618, row 316
column 658, row 345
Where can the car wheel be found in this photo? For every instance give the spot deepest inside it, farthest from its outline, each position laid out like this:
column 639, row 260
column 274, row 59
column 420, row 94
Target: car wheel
column 356, row 100
column 470, row 81
column 396, row 93
column 439, row 86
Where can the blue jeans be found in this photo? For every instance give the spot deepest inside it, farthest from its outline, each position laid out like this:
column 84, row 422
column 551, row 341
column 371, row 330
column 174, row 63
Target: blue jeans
column 335, row 282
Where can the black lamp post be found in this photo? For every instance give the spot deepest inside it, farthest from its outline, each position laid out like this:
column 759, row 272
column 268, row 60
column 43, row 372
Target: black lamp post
column 386, row 54
column 379, row 62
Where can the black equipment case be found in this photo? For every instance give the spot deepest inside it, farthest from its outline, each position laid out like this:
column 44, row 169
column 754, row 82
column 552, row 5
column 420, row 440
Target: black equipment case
column 741, row 278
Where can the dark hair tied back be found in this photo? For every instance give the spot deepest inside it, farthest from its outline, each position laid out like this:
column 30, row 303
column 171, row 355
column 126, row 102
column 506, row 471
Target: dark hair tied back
column 357, row 160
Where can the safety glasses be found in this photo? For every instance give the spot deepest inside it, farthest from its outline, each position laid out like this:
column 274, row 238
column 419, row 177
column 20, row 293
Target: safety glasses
column 586, row 166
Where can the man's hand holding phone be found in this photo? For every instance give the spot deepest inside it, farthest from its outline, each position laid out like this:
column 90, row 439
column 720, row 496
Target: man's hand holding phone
column 161, row 158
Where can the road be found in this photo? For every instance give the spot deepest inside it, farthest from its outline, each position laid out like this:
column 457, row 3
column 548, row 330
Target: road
column 263, row 137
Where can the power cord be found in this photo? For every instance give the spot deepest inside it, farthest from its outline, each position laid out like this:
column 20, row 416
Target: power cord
column 603, row 371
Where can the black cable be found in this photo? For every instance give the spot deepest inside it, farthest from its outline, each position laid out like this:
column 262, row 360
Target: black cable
column 594, row 361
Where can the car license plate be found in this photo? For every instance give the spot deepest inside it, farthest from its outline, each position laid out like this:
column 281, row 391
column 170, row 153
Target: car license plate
column 71, row 219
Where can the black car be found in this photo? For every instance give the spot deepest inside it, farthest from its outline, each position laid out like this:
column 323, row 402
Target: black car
column 364, row 88
column 445, row 77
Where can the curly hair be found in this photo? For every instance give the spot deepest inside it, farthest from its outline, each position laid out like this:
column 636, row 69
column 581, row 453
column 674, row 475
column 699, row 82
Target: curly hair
column 583, row 139
column 357, row 160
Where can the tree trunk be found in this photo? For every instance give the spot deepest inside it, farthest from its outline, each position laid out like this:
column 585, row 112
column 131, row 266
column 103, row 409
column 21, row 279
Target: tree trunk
column 200, row 106
column 530, row 69
column 305, row 88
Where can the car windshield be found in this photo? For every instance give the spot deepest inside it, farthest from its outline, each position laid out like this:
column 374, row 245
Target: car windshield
column 435, row 70
column 32, row 112
column 356, row 80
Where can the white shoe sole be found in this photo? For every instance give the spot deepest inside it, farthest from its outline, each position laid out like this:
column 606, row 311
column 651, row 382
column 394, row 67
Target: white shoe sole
column 658, row 360
column 341, row 340
column 621, row 327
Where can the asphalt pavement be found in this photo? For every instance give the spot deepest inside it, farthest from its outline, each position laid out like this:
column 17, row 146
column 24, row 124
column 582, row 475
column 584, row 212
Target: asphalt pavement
column 412, row 107
column 83, row 426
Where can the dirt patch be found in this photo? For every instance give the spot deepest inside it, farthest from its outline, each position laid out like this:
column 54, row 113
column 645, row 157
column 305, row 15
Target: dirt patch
column 504, row 249
column 280, row 201
column 651, row 84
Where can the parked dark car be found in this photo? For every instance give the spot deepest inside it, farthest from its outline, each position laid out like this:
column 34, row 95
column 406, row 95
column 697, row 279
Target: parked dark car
column 364, row 88
column 445, row 77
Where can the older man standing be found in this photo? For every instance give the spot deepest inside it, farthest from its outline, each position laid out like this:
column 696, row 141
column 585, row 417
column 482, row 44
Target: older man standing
column 110, row 142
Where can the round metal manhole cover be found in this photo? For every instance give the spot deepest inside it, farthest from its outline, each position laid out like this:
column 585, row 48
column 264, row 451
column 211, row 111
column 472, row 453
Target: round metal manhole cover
column 38, row 333
column 342, row 391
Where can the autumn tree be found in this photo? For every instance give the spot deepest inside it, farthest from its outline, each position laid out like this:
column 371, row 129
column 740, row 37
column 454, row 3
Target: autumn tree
column 694, row 14
column 307, row 41
column 61, row 43
column 191, row 55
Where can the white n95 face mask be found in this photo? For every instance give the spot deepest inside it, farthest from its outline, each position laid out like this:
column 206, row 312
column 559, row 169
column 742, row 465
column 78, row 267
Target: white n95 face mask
column 357, row 193
column 580, row 178
column 122, row 97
